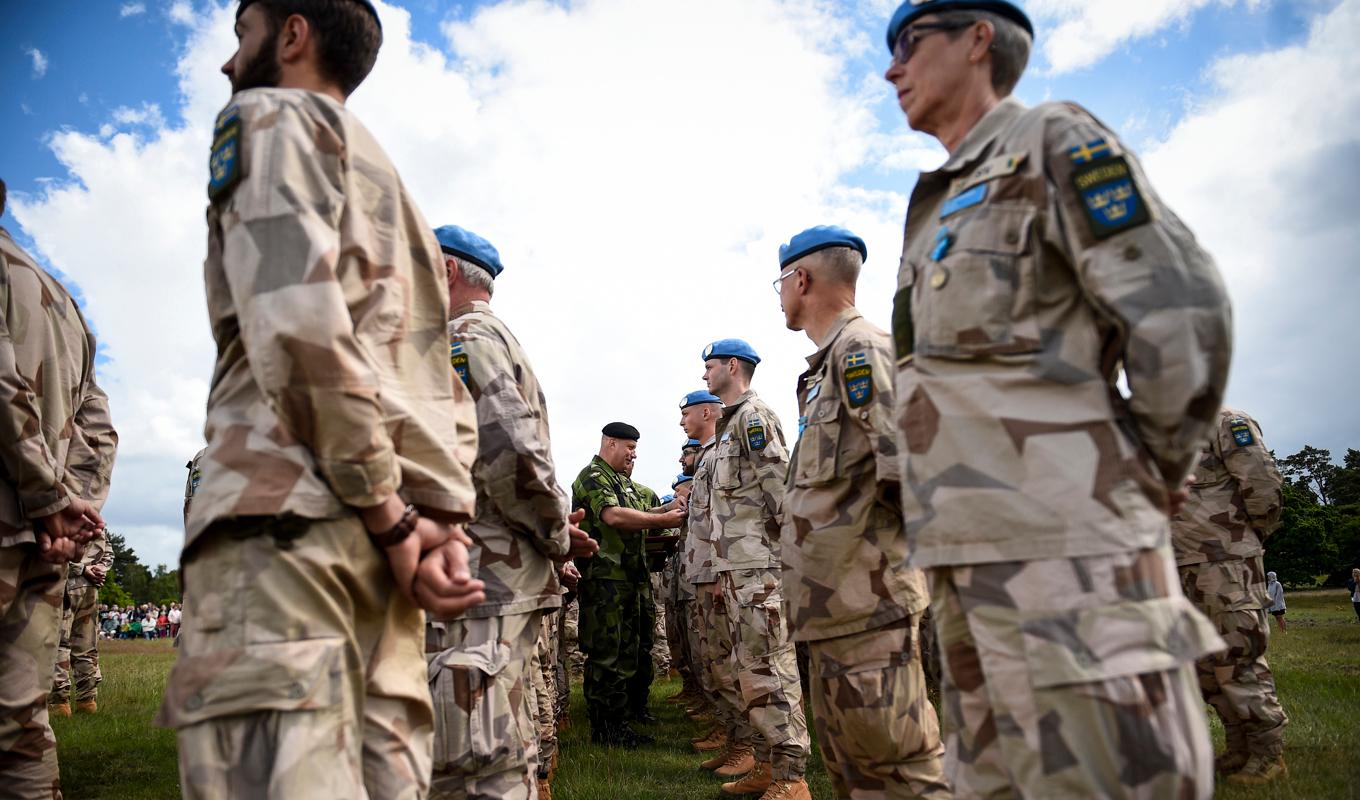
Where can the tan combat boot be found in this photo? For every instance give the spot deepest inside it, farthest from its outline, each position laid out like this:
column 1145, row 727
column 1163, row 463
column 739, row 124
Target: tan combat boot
column 755, row 782
column 740, row 760
column 87, row 707
column 716, row 740
column 59, row 710
column 1230, row 762
column 788, row 790
column 1259, row 770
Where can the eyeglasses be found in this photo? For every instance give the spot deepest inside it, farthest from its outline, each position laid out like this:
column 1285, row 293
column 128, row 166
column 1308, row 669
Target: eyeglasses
column 778, row 283
column 907, row 39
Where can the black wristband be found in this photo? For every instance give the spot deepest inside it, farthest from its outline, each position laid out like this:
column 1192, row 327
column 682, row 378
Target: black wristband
column 397, row 533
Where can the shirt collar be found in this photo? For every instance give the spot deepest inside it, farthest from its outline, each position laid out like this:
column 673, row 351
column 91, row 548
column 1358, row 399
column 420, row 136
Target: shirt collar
column 729, row 411
column 844, row 318
column 984, row 133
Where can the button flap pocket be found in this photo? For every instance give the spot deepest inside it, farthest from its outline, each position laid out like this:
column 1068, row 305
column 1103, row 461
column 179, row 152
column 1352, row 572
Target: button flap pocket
column 488, row 657
column 995, row 228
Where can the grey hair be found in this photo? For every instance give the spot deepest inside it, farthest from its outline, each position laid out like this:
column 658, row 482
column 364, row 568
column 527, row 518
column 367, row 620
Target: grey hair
column 476, row 276
column 1010, row 46
column 840, row 264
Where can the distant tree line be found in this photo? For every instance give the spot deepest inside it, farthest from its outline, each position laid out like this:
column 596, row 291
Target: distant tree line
column 130, row 583
column 1319, row 536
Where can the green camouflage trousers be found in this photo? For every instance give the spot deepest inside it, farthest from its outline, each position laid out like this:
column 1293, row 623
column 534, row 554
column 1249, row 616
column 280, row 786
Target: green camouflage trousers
column 878, row 732
column 1237, row 682
column 544, row 684
column 300, row 670
column 716, row 674
column 616, row 637
column 1072, row 678
column 661, row 646
column 30, row 622
column 79, row 648
column 766, row 668
column 485, row 711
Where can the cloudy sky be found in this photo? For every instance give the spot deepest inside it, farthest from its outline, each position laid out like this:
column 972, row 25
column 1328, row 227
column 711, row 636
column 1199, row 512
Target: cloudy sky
column 638, row 164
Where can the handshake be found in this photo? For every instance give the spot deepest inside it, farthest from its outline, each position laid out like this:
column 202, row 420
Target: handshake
column 430, row 561
column 62, row 534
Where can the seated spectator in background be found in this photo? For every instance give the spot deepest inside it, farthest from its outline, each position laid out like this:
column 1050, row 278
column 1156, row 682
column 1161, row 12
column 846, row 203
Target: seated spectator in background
column 1275, row 590
column 149, row 625
column 134, row 629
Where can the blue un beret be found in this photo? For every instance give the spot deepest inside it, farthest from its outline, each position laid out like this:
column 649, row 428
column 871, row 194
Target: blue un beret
column 820, row 238
column 731, row 348
column 696, row 398
column 465, row 244
column 691, row 443
column 912, row 9
column 681, row 478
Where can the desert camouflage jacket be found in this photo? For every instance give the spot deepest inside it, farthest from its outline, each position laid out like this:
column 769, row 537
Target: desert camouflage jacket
column 697, row 552
column 328, row 301
column 1236, row 499
column 56, row 437
column 97, row 553
column 750, row 463
column 844, row 546
column 622, row 555
column 1037, row 264
column 521, row 522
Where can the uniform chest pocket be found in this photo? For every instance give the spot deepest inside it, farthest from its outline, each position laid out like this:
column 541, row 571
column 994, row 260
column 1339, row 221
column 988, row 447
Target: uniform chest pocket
column 974, row 294
column 727, row 470
column 819, row 443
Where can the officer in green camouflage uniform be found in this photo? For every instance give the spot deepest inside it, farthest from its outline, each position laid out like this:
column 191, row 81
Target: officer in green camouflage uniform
column 57, row 447
column 1037, row 262
column 78, row 653
column 340, row 444
column 750, row 465
column 481, row 666
column 851, row 595
column 1235, row 504
column 614, row 592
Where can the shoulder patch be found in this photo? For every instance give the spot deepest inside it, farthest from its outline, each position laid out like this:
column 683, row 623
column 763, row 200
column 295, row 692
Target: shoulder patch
column 859, row 380
column 755, row 434
column 224, row 165
column 1241, row 432
column 1092, row 150
column 1110, row 197
column 459, row 359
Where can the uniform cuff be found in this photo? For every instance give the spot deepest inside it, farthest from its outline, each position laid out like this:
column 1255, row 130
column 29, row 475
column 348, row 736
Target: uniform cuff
column 44, row 504
column 362, row 484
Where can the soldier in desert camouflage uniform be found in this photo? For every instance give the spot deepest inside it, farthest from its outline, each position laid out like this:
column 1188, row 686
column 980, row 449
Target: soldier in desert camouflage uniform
column 614, row 593
column 78, row 652
column 481, row 671
column 57, row 447
column 851, row 595
column 339, row 442
column 1037, row 262
column 750, row 465
column 1235, row 504
column 679, row 595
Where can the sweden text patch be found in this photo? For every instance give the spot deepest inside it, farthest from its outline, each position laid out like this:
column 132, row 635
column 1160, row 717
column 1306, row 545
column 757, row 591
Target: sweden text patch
column 224, row 165
column 859, row 385
column 459, row 360
column 1241, row 432
column 1110, row 197
column 755, row 435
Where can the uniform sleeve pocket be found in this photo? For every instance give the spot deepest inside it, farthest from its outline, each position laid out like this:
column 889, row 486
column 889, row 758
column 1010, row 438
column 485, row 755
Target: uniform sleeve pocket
column 1094, row 644
column 474, row 723
column 306, row 675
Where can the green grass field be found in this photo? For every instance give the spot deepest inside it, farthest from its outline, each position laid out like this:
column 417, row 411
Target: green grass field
column 117, row 754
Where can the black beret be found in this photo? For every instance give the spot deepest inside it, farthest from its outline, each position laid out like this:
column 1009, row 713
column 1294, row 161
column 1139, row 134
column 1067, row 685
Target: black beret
column 621, row 430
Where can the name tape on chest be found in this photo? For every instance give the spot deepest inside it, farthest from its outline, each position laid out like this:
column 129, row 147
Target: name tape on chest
column 755, row 435
column 859, row 380
column 1241, row 432
column 225, row 162
column 1110, row 197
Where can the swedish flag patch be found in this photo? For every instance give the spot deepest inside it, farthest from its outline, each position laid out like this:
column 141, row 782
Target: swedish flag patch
column 1110, row 197
column 755, row 434
column 224, row 165
column 859, row 384
column 459, row 360
column 1086, row 153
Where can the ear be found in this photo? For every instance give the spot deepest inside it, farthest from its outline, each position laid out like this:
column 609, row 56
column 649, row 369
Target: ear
column 983, row 34
column 295, row 37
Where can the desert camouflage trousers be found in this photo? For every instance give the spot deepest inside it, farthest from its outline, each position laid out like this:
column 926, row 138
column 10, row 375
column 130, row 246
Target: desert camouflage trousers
column 544, row 684
column 661, row 608
column 878, row 732
column 1237, row 682
column 766, row 668
column 1072, row 678
column 716, row 675
column 30, row 622
column 300, row 670
column 485, row 710
column 79, row 648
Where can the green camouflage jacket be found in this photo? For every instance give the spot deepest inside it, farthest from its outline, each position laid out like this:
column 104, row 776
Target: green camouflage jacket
column 622, row 553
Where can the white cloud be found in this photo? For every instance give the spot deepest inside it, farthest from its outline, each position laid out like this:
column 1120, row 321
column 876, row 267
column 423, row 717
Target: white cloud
column 1267, row 174
column 39, row 59
column 147, row 114
column 132, row 9
column 183, row 13
column 1077, row 33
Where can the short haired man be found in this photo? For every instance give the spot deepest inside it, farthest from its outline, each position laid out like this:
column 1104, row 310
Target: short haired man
column 614, row 591
column 480, row 660
column 340, row 444
column 78, row 653
column 1037, row 262
column 1219, row 537
column 57, row 446
column 750, row 463
column 852, row 597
